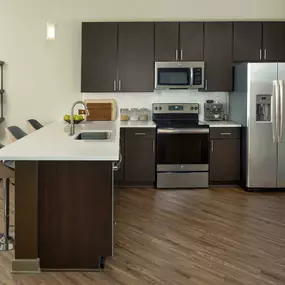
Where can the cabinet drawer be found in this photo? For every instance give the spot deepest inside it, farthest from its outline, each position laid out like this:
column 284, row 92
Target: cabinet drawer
column 224, row 133
column 140, row 132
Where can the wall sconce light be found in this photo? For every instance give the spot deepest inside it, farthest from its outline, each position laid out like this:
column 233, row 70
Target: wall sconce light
column 50, row 31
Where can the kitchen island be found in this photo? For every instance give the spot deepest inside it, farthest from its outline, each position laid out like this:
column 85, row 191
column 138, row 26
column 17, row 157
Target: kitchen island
column 64, row 198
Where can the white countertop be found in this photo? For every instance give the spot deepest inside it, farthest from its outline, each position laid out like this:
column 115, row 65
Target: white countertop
column 137, row 124
column 53, row 142
column 221, row 124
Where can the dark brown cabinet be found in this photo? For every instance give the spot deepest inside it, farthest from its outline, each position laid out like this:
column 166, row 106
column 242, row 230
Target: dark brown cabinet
column 119, row 174
column 166, row 41
column 247, row 41
column 117, row 57
column 218, row 56
column 259, row 41
column 136, row 57
column 274, row 41
column 224, row 155
column 179, row 41
column 137, row 147
column 140, row 155
column 192, row 41
column 99, row 57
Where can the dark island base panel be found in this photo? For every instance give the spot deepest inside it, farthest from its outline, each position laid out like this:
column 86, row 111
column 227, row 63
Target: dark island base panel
column 64, row 216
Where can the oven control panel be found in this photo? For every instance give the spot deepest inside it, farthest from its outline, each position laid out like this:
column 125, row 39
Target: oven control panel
column 172, row 108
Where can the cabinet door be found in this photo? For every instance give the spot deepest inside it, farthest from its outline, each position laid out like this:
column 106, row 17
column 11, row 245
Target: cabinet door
column 139, row 155
column 218, row 56
column 225, row 160
column 191, row 41
column 136, row 57
column 99, row 57
column 247, row 41
column 119, row 175
column 274, row 41
column 166, row 41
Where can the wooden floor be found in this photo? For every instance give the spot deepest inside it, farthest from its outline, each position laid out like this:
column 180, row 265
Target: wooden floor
column 217, row 236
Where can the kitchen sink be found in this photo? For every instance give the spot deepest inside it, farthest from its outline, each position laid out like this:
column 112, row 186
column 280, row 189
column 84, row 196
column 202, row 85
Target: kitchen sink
column 93, row 136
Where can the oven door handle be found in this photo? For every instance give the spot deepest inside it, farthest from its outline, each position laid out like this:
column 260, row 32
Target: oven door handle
column 183, row 131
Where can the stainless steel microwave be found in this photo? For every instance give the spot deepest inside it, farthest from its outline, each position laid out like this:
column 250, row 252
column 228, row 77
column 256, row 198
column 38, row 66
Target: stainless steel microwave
column 179, row 75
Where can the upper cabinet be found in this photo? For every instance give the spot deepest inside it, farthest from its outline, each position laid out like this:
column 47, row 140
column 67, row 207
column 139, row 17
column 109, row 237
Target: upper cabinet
column 192, row 41
column 274, row 41
column 218, row 56
column 259, row 41
column 117, row 57
column 166, row 41
column 99, row 57
column 179, row 41
column 247, row 41
column 136, row 57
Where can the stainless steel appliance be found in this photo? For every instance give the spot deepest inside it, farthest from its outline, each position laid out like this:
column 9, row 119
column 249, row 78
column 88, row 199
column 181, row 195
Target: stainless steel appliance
column 258, row 104
column 213, row 111
column 182, row 146
column 179, row 75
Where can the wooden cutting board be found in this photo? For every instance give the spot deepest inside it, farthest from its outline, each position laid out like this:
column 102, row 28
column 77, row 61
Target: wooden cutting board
column 101, row 109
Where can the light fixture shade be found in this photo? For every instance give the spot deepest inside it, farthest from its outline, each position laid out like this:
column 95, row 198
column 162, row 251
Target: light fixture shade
column 50, row 31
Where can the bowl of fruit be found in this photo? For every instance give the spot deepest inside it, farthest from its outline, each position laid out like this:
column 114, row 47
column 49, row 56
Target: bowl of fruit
column 76, row 118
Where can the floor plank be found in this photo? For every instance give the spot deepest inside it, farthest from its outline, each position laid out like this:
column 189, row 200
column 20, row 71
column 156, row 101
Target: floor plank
column 200, row 237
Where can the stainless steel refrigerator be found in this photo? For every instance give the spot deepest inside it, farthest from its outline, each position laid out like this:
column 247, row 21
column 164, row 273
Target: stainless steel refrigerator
column 258, row 104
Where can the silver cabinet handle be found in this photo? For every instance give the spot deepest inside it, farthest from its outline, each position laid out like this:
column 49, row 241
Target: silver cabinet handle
column 265, row 53
column 181, row 54
column 226, row 134
column 260, row 54
column 153, row 146
column 176, row 54
column 212, row 145
column 206, row 84
column 281, row 91
column 115, row 85
column 119, row 83
column 140, row 134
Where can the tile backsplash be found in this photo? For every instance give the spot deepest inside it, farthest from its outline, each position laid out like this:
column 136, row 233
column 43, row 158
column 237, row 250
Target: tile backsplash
column 145, row 100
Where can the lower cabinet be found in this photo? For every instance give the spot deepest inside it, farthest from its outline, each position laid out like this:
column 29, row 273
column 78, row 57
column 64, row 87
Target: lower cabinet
column 138, row 157
column 224, row 155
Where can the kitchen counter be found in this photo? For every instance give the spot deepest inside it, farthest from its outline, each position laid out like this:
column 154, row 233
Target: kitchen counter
column 137, row 124
column 53, row 142
column 61, row 182
column 221, row 124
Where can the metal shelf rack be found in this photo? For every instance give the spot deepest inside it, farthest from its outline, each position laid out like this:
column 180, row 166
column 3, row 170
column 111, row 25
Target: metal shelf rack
column 2, row 91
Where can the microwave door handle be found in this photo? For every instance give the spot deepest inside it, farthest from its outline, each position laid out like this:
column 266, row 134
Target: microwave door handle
column 191, row 76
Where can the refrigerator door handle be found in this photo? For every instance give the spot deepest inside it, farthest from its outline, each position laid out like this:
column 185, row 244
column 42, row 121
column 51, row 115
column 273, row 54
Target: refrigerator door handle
column 281, row 102
column 274, row 107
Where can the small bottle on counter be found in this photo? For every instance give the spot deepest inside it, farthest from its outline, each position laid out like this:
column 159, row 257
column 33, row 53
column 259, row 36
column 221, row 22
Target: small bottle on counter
column 125, row 115
column 143, row 114
column 135, row 114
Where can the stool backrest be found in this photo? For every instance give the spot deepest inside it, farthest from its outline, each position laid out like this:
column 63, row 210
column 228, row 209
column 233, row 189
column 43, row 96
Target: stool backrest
column 34, row 125
column 14, row 133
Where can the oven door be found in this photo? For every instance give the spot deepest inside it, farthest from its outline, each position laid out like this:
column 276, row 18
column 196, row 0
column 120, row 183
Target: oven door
column 173, row 77
column 182, row 158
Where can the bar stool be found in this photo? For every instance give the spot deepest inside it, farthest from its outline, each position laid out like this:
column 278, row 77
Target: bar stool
column 14, row 133
column 6, row 173
column 34, row 125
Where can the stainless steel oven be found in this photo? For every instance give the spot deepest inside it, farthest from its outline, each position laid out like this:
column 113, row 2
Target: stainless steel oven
column 179, row 75
column 182, row 148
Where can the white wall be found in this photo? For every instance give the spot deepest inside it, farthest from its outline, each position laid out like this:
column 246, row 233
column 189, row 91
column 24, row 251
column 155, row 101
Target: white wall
column 43, row 78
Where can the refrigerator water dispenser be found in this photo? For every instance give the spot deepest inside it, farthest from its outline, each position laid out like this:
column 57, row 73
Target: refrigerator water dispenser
column 263, row 108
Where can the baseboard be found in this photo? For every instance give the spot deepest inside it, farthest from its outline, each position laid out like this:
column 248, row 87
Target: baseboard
column 27, row 266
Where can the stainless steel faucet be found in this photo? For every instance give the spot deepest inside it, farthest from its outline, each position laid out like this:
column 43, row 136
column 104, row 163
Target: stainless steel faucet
column 72, row 125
